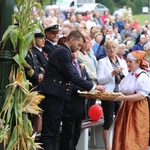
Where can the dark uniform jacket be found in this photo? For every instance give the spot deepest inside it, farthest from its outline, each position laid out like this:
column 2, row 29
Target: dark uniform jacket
column 75, row 107
column 49, row 48
column 60, row 71
column 41, row 57
column 34, row 68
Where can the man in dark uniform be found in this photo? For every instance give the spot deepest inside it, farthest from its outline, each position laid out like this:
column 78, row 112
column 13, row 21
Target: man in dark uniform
column 73, row 112
column 51, row 39
column 37, row 49
column 56, row 87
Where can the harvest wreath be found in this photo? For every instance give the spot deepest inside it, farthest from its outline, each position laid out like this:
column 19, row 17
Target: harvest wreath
column 98, row 95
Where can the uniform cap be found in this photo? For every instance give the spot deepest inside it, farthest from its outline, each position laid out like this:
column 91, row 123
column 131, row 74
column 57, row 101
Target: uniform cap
column 38, row 33
column 52, row 27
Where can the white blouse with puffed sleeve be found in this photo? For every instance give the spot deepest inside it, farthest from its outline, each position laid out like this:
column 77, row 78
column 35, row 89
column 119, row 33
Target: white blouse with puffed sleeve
column 133, row 83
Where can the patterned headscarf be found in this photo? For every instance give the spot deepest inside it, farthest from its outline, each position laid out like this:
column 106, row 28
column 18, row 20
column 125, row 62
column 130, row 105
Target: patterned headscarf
column 140, row 56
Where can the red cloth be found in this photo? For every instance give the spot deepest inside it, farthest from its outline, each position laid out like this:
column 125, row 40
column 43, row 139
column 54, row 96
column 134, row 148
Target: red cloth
column 103, row 18
column 135, row 24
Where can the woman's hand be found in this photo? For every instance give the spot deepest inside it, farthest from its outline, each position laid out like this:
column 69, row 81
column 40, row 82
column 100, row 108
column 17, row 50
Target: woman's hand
column 117, row 70
column 40, row 77
column 120, row 98
column 118, row 79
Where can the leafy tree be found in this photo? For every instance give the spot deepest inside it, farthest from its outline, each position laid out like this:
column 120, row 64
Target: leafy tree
column 137, row 6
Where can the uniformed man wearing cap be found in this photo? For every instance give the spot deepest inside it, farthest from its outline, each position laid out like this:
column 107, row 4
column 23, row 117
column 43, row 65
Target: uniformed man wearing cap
column 51, row 39
column 37, row 49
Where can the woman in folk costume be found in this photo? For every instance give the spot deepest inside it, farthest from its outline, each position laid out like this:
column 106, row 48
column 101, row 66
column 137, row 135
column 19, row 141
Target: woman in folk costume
column 131, row 130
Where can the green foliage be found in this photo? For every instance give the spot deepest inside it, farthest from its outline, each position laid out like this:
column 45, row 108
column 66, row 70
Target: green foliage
column 45, row 2
column 136, row 5
column 21, row 35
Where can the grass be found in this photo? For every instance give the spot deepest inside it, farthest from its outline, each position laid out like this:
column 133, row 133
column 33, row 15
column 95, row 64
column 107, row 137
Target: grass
column 142, row 18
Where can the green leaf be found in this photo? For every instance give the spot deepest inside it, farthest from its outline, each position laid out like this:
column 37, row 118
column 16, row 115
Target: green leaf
column 35, row 4
column 17, row 59
column 4, row 42
column 13, row 139
column 20, row 36
column 20, row 42
column 28, row 39
column 22, row 60
column 14, row 37
column 10, row 28
column 9, row 112
column 25, row 51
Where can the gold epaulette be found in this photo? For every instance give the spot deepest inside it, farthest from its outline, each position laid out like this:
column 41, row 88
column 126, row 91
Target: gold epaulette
column 41, row 69
column 30, row 72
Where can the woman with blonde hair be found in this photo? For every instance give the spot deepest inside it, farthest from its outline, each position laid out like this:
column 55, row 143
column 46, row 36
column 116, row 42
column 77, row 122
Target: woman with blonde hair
column 110, row 71
column 121, row 51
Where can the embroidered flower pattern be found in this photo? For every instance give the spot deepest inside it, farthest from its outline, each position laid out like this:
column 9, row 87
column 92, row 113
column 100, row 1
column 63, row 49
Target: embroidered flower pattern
column 136, row 75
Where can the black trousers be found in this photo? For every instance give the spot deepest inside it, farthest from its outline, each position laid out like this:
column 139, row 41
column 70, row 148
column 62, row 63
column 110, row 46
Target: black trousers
column 109, row 108
column 51, row 119
column 71, row 129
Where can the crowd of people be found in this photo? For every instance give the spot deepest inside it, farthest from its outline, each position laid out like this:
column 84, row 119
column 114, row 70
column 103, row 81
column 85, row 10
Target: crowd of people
column 91, row 52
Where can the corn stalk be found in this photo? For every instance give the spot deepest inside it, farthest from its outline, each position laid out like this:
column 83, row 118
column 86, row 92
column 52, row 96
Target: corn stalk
column 19, row 101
